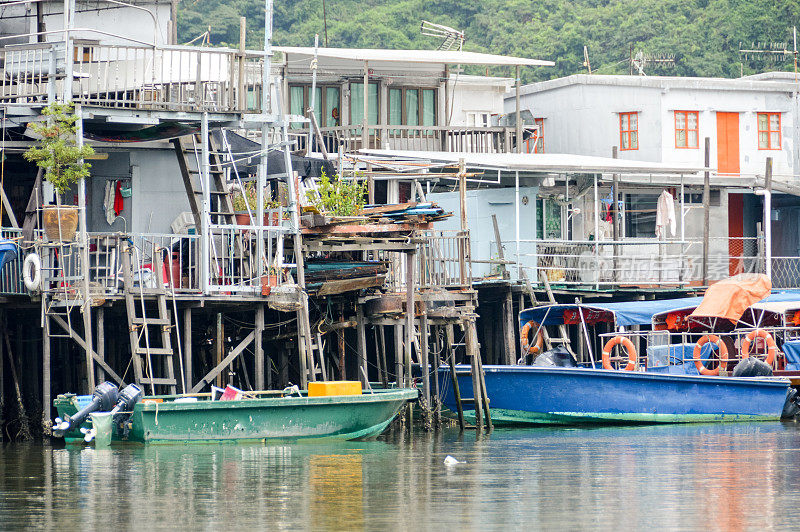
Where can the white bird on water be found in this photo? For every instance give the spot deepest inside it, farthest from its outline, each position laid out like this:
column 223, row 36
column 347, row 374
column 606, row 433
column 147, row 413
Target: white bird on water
column 450, row 461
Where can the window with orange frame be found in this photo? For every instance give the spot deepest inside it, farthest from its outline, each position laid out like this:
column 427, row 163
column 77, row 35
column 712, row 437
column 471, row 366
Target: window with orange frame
column 686, row 129
column 769, row 131
column 629, row 131
column 539, row 146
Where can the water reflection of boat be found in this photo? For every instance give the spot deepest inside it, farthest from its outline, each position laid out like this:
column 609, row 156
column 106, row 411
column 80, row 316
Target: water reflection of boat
column 678, row 376
column 262, row 416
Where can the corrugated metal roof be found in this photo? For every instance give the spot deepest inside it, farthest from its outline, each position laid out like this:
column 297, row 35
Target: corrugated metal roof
column 413, row 56
column 543, row 162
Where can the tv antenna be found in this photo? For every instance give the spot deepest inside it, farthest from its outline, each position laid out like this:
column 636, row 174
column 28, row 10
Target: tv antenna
column 640, row 60
column 586, row 61
column 771, row 52
column 452, row 39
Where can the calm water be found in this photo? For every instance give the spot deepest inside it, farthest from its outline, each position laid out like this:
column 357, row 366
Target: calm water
column 732, row 476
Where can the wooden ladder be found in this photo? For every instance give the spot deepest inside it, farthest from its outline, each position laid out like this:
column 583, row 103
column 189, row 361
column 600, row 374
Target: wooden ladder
column 139, row 324
column 221, row 203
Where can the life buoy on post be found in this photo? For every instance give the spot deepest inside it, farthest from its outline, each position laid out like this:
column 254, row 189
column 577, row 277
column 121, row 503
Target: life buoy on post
column 772, row 347
column 32, row 272
column 627, row 344
column 722, row 354
column 532, row 349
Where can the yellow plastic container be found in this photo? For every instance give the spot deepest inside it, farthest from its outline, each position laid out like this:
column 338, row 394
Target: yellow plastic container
column 321, row 389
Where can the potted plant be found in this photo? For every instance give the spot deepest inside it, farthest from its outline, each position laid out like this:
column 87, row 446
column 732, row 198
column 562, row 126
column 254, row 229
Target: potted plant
column 248, row 197
column 338, row 197
column 58, row 154
column 270, row 280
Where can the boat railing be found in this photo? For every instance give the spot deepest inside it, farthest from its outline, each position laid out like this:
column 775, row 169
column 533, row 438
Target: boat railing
column 674, row 351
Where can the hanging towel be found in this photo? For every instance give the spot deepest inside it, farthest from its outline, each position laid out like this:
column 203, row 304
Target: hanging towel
column 118, row 202
column 665, row 214
column 108, row 202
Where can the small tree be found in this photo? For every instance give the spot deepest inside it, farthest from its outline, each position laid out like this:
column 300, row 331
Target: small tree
column 338, row 197
column 57, row 152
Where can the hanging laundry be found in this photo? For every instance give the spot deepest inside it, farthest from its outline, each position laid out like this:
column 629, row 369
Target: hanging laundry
column 119, row 204
column 108, row 202
column 665, row 214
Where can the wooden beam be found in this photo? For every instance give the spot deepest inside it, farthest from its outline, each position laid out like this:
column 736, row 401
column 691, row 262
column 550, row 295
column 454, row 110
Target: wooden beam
column 259, row 347
column 187, row 183
column 362, row 345
column 187, row 347
column 101, row 341
column 46, row 406
column 75, row 336
column 235, row 352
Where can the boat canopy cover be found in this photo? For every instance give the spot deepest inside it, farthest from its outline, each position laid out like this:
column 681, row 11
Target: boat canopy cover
column 730, row 297
column 625, row 313
column 8, row 251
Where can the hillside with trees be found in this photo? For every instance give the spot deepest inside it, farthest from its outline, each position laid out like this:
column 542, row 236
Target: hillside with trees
column 703, row 35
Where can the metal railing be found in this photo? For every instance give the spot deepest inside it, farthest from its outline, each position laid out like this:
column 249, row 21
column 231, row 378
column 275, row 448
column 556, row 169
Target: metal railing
column 418, row 138
column 176, row 78
column 641, row 262
column 11, row 274
column 438, row 262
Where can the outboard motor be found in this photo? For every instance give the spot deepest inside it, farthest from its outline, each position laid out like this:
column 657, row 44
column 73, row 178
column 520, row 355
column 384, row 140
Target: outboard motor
column 127, row 398
column 791, row 407
column 103, row 399
column 752, row 367
column 559, row 357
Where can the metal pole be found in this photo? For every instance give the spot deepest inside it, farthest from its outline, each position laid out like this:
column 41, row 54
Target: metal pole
column 516, row 222
column 313, row 96
column 519, row 114
column 205, row 263
column 86, row 308
column 365, row 118
column 706, row 199
column 768, row 218
column 68, row 53
column 596, row 233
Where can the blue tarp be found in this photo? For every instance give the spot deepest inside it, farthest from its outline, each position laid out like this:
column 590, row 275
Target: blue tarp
column 626, row 313
column 8, row 251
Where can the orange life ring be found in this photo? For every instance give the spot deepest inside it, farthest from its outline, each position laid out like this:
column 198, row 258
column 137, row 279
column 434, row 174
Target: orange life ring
column 772, row 347
column 526, row 345
column 723, row 354
column 627, row 344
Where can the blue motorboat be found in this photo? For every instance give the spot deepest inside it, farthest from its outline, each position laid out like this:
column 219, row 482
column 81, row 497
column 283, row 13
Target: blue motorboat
column 575, row 395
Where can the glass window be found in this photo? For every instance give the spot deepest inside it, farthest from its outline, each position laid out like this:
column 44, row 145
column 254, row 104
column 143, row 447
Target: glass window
column 640, row 215
column 357, row 103
column 629, row 131
column 297, row 103
column 769, row 131
column 686, row 129
column 428, row 107
column 395, row 107
column 331, row 107
column 548, row 219
column 412, row 107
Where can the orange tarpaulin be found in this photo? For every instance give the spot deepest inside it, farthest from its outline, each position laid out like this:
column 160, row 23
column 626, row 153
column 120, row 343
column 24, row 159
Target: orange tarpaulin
column 731, row 297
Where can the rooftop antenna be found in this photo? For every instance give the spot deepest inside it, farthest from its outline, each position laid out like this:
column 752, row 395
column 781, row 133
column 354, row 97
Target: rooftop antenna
column 771, row 52
column 640, row 60
column 452, row 39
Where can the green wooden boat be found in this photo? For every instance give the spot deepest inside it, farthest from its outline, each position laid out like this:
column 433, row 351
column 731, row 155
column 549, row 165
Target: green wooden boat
column 178, row 419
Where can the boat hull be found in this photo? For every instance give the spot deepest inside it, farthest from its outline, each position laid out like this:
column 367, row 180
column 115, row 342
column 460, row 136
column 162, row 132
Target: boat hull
column 290, row 418
column 569, row 396
column 271, row 418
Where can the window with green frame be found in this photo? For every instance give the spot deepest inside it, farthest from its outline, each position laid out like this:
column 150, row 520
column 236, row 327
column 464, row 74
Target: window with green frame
column 326, row 104
column 412, row 107
column 357, row 104
column 548, row 219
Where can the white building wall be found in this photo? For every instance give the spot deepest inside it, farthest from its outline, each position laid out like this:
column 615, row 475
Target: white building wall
column 126, row 24
column 475, row 94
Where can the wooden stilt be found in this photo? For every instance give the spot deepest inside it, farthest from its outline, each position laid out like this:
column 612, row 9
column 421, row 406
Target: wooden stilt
column 219, row 347
column 378, row 362
column 3, row 393
column 25, row 428
column 398, row 352
column 187, row 348
column 425, row 365
column 509, row 341
column 87, row 338
column 474, row 366
column 362, row 346
column 410, row 288
column 47, row 422
column 101, row 341
column 382, row 334
column 259, row 347
column 284, row 361
column 451, row 358
column 340, row 342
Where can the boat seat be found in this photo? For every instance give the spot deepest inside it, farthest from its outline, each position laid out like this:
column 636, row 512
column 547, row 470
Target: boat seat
column 791, row 349
column 675, row 358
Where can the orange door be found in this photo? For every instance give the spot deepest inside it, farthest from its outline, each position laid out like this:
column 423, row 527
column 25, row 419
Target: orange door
column 735, row 233
column 727, row 143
